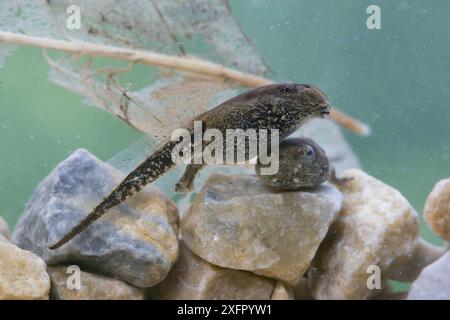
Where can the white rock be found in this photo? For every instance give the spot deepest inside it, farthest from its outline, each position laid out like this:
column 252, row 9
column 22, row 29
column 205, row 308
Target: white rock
column 376, row 227
column 437, row 209
column 22, row 274
column 434, row 281
column 236, row 222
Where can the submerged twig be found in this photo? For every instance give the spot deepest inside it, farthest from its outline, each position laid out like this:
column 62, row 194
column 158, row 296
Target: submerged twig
column 185, row 63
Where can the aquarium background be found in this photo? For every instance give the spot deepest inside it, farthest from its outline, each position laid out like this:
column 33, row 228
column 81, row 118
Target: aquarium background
column 395, row 79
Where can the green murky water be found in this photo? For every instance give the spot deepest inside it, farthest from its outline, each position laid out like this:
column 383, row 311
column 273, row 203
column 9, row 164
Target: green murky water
column 396, row 79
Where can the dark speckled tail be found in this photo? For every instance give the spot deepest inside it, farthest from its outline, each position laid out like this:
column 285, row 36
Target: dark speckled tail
column 148, row 171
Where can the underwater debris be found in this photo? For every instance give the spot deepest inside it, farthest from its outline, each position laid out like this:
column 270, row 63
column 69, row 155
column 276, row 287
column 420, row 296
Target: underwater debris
column 90, row 87
column 164, row 34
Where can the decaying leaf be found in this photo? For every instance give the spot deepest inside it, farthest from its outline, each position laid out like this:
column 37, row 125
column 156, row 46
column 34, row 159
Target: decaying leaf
column 196, row 36
column 155, row 64
column 168, row 103
column 204, row 28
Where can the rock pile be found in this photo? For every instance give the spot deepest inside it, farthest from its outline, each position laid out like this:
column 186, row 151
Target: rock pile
column 238, row 240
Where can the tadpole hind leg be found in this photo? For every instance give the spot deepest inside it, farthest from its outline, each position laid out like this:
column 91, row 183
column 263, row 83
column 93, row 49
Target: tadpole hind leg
column 186, row 182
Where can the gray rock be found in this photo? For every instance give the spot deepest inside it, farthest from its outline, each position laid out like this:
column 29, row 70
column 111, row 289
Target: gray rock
column 236, row 222
column 135, row 242
column 434, row 281
column 91, row 286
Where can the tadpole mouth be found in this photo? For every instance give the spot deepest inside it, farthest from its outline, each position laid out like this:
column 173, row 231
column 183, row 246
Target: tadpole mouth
column 324, row 111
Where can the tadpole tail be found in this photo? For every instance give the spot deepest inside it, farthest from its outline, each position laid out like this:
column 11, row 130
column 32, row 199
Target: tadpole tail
column 148, row 171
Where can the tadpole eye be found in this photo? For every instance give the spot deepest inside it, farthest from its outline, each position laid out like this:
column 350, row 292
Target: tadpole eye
column 287, row 90
column 310, row 152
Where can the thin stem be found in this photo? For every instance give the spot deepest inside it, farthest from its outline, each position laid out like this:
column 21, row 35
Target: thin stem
column 185, row 63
